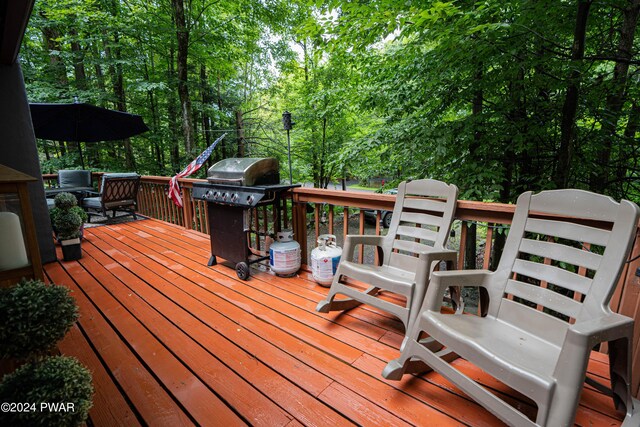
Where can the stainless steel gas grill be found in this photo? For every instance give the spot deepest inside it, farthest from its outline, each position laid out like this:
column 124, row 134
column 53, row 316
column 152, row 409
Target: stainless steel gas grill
column 234, row 188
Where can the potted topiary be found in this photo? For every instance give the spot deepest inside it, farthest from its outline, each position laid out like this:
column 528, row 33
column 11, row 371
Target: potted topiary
column 47, row 390
column 33, row 318
column 66, row 202
column 54, row 392
column 68, row 221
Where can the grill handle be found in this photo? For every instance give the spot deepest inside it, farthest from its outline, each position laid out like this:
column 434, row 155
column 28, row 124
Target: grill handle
column 232, row 181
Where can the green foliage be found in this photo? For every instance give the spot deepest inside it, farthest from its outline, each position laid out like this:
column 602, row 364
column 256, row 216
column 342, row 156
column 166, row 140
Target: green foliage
column 54, row 213
column 65, row 201
column 33, row 318
column 54, row 380
column 473, row 93
column 68, row 225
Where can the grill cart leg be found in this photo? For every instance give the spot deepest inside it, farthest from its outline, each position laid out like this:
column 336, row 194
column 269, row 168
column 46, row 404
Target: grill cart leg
column 242, row 269
column 212, row 261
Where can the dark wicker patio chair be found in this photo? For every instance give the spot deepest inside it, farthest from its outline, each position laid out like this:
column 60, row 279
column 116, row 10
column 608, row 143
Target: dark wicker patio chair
column 119, row 192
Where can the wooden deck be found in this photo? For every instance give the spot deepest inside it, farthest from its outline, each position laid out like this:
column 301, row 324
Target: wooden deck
column 173, row 342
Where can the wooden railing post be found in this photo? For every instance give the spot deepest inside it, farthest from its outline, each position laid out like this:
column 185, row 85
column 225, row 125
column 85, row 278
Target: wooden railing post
column 299, row 222
column 187, row 213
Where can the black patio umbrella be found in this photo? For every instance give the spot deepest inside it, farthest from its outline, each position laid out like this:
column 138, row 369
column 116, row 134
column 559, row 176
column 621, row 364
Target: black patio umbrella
column 79, row 122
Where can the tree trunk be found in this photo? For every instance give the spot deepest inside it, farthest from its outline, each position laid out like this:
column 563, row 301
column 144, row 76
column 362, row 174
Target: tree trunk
column 117, row 80
column 615, row 97
column 78, row 61
column 240, row 134
column 183, row 89
column 56, row 67
column 155, row 119
column 99, row 74
column 172, row 113
column 625, row 153
column 206, row 100
column 570, row 107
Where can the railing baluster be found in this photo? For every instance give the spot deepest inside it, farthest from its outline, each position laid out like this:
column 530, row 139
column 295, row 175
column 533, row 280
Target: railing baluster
column 361, row 230
column 331, row 219
column 265, row 225
column 345, row 223
column 488, row 242
column 376, row 252
column 463, row 244
column 186, row 208
column 316, row 221
column 285, row 218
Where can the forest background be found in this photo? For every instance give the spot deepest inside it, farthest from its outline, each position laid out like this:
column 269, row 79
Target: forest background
column 497, row 97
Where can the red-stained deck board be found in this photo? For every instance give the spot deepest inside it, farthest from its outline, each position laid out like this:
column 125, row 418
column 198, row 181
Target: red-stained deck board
column 109, row 405
column 187, row 389
column 232, row 372
column 330, row 366
column 148, row 397
column 174, row 342
column 269, row 307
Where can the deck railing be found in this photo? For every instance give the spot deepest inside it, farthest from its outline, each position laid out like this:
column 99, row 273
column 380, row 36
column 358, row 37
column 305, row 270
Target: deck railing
column 480, row 231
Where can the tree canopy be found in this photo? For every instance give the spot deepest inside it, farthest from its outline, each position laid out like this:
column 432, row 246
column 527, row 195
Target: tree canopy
column 497, row 97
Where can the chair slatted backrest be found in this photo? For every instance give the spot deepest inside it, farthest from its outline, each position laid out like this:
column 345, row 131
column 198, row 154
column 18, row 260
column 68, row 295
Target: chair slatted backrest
column 421, row 220
column 562, row 259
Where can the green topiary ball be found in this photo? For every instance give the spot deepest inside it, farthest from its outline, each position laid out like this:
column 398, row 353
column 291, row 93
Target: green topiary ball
column 57, row 390
column 65, row 201
column 68, row 225
column 34, row 317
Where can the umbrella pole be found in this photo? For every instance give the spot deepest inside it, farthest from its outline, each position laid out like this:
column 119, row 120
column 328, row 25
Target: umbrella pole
column 80, row 150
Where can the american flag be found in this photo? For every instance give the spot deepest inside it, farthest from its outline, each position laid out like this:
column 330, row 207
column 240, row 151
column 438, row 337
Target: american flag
column 174, row 188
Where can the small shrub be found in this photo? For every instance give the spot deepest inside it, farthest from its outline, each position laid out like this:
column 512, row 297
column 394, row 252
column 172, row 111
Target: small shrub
column 33, row 318
column 54, row 213
column 55, row 380
column 68, row 225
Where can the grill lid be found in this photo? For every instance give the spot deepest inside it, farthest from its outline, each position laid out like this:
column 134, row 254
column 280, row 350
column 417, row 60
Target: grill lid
column 245, row 171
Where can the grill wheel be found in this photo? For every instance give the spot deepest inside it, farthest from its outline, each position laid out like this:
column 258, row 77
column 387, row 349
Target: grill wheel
column 242, row 269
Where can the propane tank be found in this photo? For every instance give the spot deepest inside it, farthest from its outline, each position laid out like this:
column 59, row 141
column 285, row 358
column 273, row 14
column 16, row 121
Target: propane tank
column 325, row 259
column 284, row 254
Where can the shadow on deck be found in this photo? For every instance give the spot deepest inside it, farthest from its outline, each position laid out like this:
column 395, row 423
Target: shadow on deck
column 171, row 341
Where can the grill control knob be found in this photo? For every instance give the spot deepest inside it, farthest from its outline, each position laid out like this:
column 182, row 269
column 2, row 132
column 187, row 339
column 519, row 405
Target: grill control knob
column 225, row 196
column 234, row 197
column 207, row 194
column 250, row 199
column 216, row 195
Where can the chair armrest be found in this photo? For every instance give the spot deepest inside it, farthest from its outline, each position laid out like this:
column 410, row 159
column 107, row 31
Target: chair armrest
column 428, row 257
column 582, row 336
column 439, row 254
column 92, row 193
column 352, row 240
column 441, row 280
column 608, row 327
